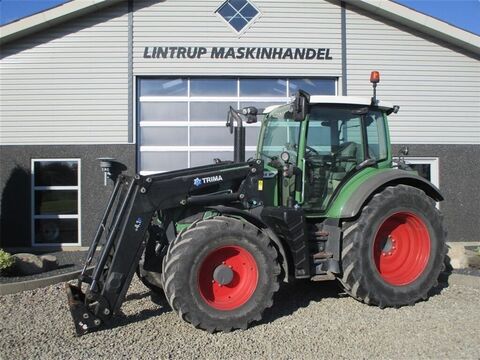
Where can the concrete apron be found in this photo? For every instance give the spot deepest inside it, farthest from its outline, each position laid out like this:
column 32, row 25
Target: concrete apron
column 13, row 288
column 462, row 258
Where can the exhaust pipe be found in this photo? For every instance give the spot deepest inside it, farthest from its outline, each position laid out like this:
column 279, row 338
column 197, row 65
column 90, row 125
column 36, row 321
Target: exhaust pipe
column 239, row 144
column 235, row 123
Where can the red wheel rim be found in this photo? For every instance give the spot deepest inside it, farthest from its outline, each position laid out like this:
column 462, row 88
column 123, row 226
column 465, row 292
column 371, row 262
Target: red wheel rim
column 236, row 292
column 402, row 248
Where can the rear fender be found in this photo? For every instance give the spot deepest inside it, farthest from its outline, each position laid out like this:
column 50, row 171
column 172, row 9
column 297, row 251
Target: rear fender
column 380, row 181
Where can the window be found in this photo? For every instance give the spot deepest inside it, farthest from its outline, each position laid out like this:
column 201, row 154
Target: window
column 312, row 86
column 237, row 13
column 263, row 87
column 427, row 167
column 164, row 87
column 213, row 87
column 182, row 120
column 280, row 134
column 56, row 201
column 376, row 135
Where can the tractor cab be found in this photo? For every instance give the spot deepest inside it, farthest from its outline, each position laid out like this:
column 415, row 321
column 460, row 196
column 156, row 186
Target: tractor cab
column 308, row 158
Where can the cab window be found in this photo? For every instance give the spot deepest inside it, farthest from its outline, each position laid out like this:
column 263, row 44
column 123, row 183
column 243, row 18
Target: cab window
column 376, row 135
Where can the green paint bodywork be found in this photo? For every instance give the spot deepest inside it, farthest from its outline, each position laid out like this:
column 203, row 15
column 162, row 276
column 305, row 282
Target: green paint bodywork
column 270, row 189
column 180, row 226
column 301, row 153
column 346, row 191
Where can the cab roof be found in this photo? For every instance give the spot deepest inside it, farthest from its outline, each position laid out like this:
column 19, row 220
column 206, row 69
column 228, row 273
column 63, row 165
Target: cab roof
column 347, row 100
column 350, row 100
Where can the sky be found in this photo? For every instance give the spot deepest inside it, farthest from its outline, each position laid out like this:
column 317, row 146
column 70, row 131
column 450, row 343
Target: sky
column 461, row 13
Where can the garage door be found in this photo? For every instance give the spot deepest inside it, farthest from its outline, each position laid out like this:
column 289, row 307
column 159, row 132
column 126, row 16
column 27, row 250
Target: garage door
column 181, row 121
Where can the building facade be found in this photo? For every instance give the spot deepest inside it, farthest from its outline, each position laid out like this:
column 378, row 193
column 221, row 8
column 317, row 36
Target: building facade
column 149, row 83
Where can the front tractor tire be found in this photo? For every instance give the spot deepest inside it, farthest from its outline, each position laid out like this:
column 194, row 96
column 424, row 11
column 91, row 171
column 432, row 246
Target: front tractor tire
column 393, row 254
column 221, row 274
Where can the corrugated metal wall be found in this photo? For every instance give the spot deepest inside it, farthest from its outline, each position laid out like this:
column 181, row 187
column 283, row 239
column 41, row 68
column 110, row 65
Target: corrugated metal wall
column 437, row 88
column 315, row 24
column 68, row 84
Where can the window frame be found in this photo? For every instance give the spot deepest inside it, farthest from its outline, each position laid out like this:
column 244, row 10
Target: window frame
column 34, row 188
column 427, row 160
column 249, row 23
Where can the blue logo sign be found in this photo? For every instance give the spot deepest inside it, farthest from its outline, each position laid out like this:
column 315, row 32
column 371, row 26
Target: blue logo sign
column 197, row 181
column 138, row 223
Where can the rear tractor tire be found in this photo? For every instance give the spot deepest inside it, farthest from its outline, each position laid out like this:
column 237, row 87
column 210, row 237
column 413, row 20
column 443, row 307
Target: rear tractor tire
column 152, row 280
column 221, row 274
column 393, row 254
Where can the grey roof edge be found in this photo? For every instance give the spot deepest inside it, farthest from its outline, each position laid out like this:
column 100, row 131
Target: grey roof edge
column 53, row 16
column 384, row 8
column 423, row 23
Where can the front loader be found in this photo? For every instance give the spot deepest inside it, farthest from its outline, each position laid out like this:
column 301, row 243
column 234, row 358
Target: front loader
column 322, row 200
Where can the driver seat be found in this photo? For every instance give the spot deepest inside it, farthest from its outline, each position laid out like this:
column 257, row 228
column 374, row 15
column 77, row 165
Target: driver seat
column 343, row 167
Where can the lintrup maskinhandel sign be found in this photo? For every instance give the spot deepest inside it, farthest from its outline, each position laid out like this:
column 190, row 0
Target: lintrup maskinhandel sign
column 239, row 53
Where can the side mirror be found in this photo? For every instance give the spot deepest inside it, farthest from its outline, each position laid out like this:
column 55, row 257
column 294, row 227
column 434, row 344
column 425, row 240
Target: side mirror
column 300, row 105
column 249, row 112
column 401, row 158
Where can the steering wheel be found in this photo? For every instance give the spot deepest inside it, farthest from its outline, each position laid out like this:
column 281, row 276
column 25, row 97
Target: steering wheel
column 342, row 147
column 310, row 151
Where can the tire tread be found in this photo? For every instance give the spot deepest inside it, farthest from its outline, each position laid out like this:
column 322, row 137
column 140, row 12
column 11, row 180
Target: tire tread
column 180, row 245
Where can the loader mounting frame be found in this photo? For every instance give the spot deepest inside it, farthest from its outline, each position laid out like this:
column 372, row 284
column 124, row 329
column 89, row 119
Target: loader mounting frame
column 132, row 204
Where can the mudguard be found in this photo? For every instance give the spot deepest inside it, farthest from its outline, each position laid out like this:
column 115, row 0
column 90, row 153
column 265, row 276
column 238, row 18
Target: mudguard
column 387, row 178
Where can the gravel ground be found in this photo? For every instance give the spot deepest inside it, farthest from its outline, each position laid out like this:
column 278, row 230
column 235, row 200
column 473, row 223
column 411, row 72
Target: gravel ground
column 308, row 320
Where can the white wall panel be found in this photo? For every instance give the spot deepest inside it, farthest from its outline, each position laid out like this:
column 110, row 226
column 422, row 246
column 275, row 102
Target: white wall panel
column 71, row 81
column 282, row 23
column 437, row 88
column 67, row 84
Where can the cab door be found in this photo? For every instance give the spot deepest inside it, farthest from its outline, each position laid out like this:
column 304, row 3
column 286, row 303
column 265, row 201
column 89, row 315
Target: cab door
column 338, row 140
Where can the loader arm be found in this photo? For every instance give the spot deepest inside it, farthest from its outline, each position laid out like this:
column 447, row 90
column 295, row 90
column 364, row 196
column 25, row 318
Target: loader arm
column 124, row 225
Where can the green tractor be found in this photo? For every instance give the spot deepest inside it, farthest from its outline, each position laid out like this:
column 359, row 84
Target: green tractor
column 322, row 200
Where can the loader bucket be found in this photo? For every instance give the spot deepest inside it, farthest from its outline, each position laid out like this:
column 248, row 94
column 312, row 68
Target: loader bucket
column 84, row 320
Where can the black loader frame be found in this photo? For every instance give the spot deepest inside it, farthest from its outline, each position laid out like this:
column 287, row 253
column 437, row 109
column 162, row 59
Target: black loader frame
column 124, row 225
